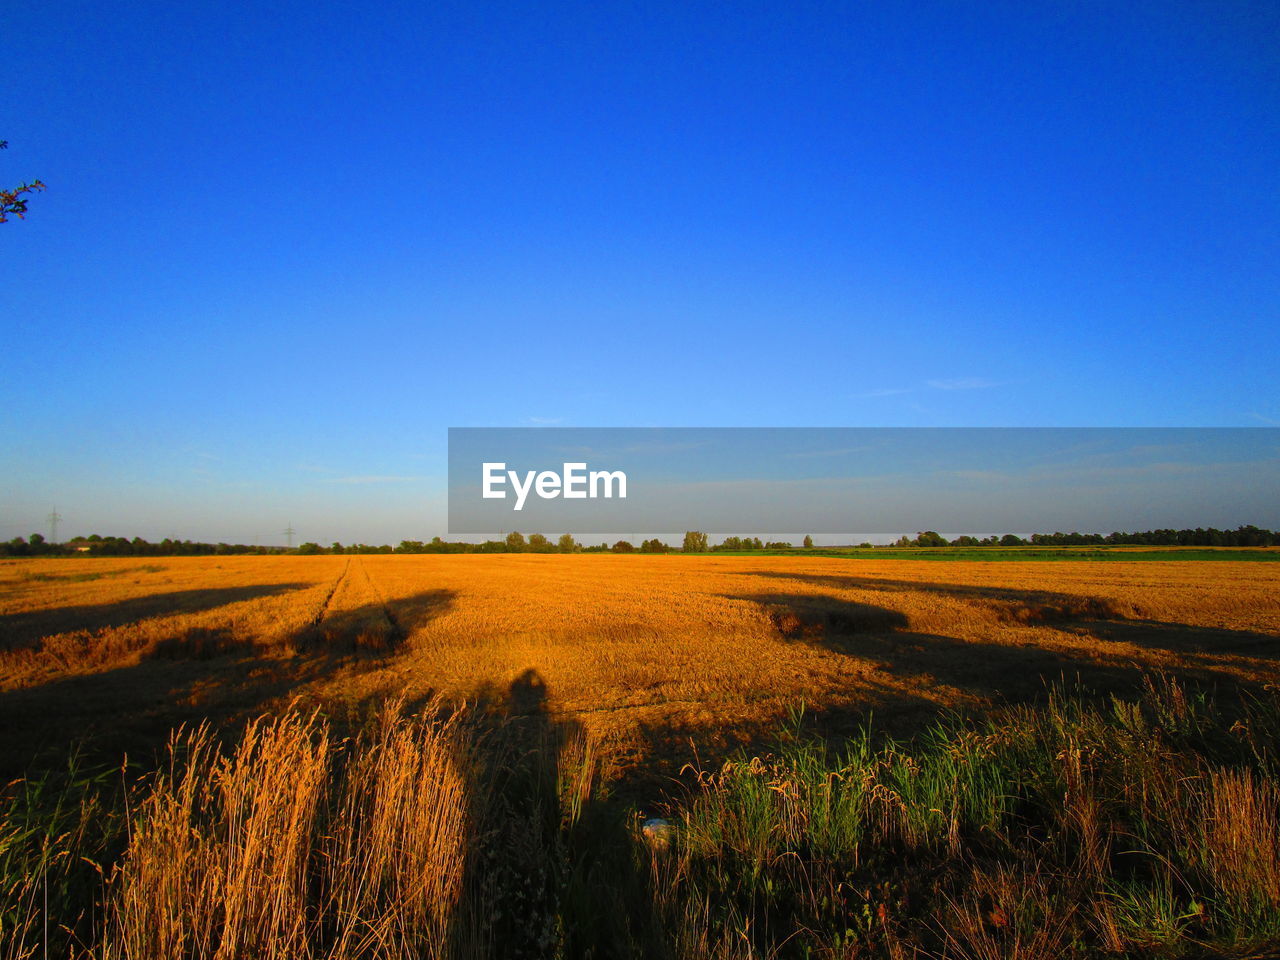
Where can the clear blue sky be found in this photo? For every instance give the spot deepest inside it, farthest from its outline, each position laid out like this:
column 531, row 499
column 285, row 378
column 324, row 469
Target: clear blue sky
column 285, row 246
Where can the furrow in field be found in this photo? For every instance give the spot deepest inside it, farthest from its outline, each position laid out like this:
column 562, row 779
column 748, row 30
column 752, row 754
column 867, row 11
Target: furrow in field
column 354, row 617
column 323, row 610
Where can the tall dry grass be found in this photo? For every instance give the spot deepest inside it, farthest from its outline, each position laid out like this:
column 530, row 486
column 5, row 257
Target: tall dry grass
column 296, row 843
column 1240, row 843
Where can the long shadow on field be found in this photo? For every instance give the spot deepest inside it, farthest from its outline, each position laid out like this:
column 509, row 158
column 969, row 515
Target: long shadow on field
column 195, row 675
column 375, row 628
column 19, row 630
column 1012, row 604
column 912, row 660
column 1104, row 618
column 607, row 903
column 1183, row 638
column 559, row 862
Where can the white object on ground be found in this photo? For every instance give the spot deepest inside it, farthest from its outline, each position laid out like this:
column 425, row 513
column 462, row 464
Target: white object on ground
column 659, row 832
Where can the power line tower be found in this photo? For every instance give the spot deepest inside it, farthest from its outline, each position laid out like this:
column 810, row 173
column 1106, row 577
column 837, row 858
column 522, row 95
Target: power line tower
column 289, row 532
column 54, row 519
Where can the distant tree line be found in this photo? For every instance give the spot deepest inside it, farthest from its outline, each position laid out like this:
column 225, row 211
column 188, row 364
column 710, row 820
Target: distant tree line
column 514, row 542
column 97, row 546
column 694, row 542
column 1245, row 536
column 751, row 543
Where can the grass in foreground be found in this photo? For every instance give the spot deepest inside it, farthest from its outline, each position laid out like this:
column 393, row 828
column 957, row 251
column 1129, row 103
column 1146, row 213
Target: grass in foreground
column 1136, row 827
column 1145, row 828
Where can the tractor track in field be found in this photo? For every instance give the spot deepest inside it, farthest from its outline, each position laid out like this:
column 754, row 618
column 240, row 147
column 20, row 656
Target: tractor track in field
column 361, row 618
column 396, row 632
column 328, row 597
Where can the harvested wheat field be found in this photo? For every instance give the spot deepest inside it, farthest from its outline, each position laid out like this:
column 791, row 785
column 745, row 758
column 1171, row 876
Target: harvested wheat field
column 651, row 655
column 386, row 757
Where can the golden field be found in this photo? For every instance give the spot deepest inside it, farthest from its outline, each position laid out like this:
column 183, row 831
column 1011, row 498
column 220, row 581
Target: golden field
column 655, row 656
column 1098, row 791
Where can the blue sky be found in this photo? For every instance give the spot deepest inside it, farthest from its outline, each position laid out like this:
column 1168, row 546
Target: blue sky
column 285, row 247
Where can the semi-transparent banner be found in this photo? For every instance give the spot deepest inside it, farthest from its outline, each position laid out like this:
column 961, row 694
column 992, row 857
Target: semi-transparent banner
column 871, row 480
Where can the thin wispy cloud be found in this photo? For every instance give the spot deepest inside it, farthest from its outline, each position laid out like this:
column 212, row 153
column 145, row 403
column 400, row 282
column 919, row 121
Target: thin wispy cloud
column 979, row 476
column 769, row 486
column 543, row 421
column 660, row 449
column 656, row 448
column 956, row 383
column 962, row 383
column 369, row 479
column 887, row 392
column 838, row 452
column 1269, row 421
